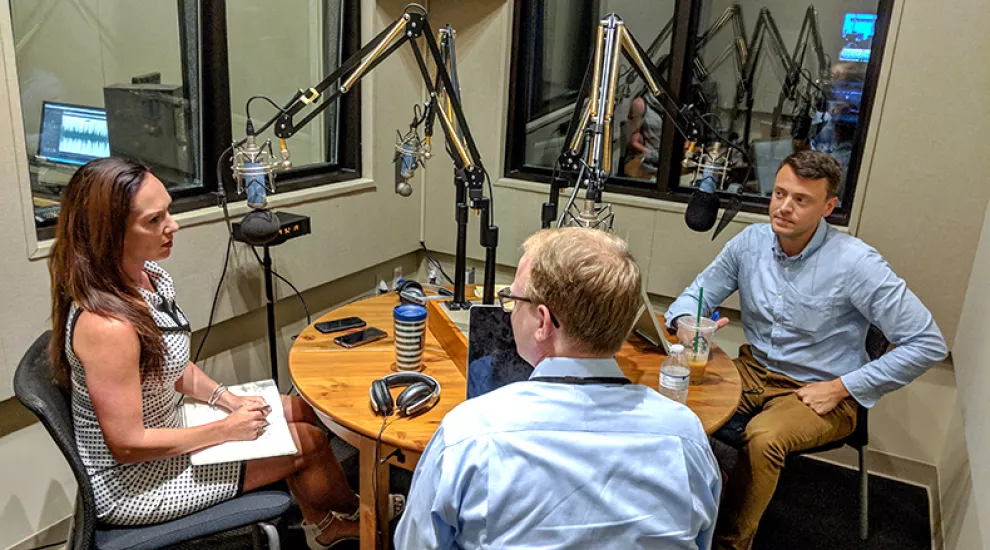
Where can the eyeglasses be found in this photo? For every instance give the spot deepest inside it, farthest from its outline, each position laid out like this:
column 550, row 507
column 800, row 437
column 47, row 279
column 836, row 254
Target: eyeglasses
column 508, row 303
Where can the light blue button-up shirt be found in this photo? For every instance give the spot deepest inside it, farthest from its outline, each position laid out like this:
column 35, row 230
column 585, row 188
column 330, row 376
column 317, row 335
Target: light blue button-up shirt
column 551, row 465
column 806, row 316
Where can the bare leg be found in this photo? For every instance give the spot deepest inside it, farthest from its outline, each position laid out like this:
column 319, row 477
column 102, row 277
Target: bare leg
column 297, row 410
column 314, row 477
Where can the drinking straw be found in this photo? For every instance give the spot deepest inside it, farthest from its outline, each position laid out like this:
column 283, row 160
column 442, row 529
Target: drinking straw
column 697, row 326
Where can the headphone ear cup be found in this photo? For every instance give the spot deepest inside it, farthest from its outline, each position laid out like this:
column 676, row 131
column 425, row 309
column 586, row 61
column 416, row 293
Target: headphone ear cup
column 410, row 290
column 381, row 399
column 412, row 396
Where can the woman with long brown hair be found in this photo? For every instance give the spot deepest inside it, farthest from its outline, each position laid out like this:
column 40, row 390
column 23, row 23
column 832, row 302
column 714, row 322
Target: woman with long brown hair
column 121, row 345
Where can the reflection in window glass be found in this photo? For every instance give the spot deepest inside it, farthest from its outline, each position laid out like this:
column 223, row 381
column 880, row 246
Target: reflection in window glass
column 799, row 89
column 562, row 39
column 297, row 47
column 100, row 79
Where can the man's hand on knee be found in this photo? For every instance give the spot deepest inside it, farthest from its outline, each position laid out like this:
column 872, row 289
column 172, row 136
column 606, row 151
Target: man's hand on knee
column 822, row 397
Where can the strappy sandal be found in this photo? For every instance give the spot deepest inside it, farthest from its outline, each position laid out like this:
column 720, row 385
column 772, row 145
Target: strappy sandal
column 314, row 530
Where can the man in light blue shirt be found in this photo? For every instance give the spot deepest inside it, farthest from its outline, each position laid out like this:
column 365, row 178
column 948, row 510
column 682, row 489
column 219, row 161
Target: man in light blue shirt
column 808, row 295
column 575, row 457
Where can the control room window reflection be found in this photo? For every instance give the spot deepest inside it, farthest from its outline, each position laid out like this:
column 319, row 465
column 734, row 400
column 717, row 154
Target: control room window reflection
column 563, row 35
column 814, row 101
column 103, row 79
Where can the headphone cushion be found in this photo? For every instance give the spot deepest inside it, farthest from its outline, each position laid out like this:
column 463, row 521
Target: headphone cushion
column 411, row 396
column 381, row 398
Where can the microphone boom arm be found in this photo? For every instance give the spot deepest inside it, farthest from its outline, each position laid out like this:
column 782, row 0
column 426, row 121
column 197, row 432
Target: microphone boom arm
column 469, row 172
column 588, row 147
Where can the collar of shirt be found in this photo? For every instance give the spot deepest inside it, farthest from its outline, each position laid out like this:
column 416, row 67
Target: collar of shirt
column 578, row 367
column 813, row 245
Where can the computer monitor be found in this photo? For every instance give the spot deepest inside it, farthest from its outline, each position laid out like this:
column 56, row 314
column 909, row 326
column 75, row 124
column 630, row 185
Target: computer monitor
column 857, row 34
column 72, row 134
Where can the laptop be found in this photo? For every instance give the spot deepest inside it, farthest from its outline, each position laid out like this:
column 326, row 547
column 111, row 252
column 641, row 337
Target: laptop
column 648, row 327
column 492, row 358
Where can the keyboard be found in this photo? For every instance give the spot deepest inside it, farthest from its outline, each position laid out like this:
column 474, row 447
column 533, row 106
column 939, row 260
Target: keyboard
column 46, row 215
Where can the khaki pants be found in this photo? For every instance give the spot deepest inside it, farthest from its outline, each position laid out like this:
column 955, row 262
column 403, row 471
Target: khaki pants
column 781, row 424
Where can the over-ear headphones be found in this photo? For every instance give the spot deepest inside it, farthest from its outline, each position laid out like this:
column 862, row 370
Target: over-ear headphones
column 421, row 395
column 411, row 292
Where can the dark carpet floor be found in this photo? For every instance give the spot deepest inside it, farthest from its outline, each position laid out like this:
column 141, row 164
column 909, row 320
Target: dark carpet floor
column 815, row 507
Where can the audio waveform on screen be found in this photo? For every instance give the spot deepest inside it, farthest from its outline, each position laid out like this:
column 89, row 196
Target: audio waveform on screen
column 84, row 136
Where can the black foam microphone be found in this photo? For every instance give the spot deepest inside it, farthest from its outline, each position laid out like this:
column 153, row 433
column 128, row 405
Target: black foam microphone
column 702, row 211
column 260, row 227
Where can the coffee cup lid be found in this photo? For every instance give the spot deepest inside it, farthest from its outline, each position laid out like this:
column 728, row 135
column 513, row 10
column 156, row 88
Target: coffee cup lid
column 409, row 313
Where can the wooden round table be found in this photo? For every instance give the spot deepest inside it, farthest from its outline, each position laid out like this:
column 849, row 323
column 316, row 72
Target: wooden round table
column 335, row 381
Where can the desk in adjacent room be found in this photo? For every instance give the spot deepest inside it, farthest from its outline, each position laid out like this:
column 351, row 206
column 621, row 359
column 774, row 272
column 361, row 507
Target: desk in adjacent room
column 335, row 381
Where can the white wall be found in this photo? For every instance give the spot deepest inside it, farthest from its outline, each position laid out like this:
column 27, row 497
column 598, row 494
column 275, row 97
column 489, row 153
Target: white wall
column 972, row 359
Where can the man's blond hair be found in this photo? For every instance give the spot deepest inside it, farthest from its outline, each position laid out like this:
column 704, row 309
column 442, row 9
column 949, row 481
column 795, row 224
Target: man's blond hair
column 589, row 281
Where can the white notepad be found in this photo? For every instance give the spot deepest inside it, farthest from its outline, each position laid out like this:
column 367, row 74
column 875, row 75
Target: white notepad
column 275, row 441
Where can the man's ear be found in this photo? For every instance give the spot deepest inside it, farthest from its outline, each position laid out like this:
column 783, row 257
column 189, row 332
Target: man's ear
column 830, row 206
column 544, row 330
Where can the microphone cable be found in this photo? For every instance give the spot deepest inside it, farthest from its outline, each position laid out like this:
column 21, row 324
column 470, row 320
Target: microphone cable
column 302, row 300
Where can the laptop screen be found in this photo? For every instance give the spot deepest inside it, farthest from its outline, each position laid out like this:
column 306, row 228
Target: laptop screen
column 492, row 358
column 72, row 134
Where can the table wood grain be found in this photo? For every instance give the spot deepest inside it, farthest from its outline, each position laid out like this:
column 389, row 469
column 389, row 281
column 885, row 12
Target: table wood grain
column 335, row 380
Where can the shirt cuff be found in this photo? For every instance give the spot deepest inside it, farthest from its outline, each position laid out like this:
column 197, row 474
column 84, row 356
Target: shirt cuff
column 672, row 322
column 859, row 389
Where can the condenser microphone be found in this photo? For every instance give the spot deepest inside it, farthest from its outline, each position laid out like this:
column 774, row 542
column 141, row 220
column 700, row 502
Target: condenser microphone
column 253, row 168
column 406, row 162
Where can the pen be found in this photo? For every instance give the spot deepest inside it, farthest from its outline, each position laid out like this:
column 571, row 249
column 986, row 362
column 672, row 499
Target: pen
column 715, row 316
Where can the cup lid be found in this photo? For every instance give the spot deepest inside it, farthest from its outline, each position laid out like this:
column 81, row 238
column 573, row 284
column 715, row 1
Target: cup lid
column 409, row 313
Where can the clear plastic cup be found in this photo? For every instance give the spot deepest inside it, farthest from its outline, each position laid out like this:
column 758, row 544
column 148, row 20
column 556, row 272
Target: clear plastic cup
column 697, row 341
column 410, row 330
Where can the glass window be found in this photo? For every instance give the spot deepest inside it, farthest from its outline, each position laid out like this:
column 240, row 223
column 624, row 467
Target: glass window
column 759, row 79
column 124, row 77
column 296, row 47
column 799, row 84
column 559, row 41
column 100, row 79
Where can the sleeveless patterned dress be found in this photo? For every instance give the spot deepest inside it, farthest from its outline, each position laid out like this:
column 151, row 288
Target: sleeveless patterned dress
column 159, row 490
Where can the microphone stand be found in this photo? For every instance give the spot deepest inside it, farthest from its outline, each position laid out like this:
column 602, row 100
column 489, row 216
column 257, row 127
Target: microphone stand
column 588, row 149
column 469, row 172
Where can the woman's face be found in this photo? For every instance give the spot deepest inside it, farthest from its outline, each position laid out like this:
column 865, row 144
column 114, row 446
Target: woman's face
column 150, row 228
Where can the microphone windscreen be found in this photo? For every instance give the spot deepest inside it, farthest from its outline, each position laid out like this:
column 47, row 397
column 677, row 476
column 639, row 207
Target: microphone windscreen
column 260, row 227
column 702, row 211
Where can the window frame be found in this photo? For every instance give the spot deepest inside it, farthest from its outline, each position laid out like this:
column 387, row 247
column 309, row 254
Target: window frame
column 665, row 186
column 214, row 112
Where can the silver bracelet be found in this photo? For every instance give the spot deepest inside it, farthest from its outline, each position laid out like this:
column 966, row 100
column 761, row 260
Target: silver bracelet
column 217, row 392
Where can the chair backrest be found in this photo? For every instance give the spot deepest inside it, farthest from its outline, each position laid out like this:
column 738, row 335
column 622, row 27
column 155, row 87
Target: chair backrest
column 876, row 345
column 35, row 387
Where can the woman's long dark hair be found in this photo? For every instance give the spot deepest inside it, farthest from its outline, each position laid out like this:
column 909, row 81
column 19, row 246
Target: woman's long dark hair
column 86, row 262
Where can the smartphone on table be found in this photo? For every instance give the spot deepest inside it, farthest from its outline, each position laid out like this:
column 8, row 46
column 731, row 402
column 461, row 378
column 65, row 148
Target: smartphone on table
column 337, row 325
column 360, row 337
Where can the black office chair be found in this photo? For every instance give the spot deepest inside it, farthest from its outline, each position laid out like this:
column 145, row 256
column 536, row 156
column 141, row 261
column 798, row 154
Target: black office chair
column 35, row 388
column 732, row 434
